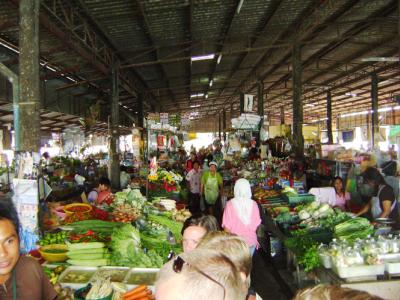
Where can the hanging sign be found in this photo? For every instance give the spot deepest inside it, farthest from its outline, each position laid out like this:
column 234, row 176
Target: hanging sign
column 26, row 201
column 248, row 102
column 185, row 120
column 174, row 120
column 164, row 118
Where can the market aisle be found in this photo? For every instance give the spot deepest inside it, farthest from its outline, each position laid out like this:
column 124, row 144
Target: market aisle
column 263, row 280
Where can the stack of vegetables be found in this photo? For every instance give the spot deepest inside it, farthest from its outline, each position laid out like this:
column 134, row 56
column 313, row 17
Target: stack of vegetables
column 127, row 205
column 127, row 251
column 92, row 254
column 357, row 228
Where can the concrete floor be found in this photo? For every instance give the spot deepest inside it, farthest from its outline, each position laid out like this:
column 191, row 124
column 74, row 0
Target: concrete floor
column 270, row 278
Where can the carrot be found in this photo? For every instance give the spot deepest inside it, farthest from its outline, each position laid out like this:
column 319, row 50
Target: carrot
column 137, row 289
column 136, row 296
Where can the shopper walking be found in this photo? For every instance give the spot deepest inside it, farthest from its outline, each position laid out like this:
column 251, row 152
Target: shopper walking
column 193, row 179
column 212, row 189
column 241, row 215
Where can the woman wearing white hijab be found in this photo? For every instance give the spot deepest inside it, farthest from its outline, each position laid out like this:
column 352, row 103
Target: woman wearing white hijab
column 241, row 214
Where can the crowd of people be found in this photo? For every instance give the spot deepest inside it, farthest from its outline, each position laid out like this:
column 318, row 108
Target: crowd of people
column 215, row 264
column 218, row 242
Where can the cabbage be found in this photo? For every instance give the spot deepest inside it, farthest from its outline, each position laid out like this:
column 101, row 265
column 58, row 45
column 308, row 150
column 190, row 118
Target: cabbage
column 126, row 250
column 124, row 238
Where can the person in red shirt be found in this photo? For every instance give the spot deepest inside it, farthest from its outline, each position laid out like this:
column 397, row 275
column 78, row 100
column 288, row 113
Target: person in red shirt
column 190, row 162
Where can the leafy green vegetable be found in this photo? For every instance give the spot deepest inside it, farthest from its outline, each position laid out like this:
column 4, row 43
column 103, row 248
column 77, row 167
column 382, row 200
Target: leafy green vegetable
column 173, row 226
column 310, row 259
column 125, row 244
column 305, row 249
column 95, row 225
column 161, row 247
column 123, row 238
column 354, row 228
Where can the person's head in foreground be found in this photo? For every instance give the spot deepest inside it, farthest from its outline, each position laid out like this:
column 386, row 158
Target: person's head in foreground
column 333, row 292
column 232, row 246
column 9, row 239
column 198, row 275
column 195, row 228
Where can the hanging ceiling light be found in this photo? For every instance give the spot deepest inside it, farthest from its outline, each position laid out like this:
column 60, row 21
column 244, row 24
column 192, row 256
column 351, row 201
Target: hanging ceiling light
column 219, row 59
column 203, row 57
column 379, row 58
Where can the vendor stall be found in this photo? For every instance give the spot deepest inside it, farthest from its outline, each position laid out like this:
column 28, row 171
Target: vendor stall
column 118, row 247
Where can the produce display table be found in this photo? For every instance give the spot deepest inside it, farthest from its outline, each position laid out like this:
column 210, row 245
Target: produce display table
column 386, row 289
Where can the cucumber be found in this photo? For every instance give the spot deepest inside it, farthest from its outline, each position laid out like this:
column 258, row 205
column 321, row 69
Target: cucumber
column 81, row 246
column 88, row 262
column 87, row 256
column 87, row 251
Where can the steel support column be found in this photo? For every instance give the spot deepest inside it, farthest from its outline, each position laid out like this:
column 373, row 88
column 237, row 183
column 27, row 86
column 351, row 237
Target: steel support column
column 224, row 124
column 374, row 108
column 143, row 133
column 260, row 96
column 297, row 102
column 13, row 78
column 282, row 115
column 219, row 126
column 27, row 134
column 113, row 151
column 329, row 116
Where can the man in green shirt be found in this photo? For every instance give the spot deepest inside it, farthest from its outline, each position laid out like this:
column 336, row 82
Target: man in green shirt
column 212, row 189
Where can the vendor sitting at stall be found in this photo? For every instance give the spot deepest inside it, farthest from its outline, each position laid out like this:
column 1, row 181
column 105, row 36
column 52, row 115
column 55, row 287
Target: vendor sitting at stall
column 383, row 203
column 100, row 194
column 342, row 197
column 21, row 277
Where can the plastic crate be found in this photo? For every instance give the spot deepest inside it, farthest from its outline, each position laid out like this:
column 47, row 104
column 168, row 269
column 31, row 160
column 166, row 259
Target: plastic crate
column 299, row 199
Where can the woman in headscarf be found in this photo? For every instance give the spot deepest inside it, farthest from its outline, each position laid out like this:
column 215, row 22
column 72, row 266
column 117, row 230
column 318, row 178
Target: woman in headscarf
column 241, row 214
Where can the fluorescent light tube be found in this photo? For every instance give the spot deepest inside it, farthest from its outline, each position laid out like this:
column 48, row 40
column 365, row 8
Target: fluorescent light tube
column 385, row 109
column 203, row 57
column 211, row 83
column 219, row 59
column 196, row 95
column 239, row 6
column 393, row 58
column 351, row 94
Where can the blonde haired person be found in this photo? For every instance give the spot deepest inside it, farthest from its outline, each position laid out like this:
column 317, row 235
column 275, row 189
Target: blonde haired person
column 235, row 248
column 198, row 275
column 333, row 292
column 241, row 214
column 232, row 246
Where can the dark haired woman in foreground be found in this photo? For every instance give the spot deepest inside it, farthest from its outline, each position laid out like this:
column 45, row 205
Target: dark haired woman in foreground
column 21, row 277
